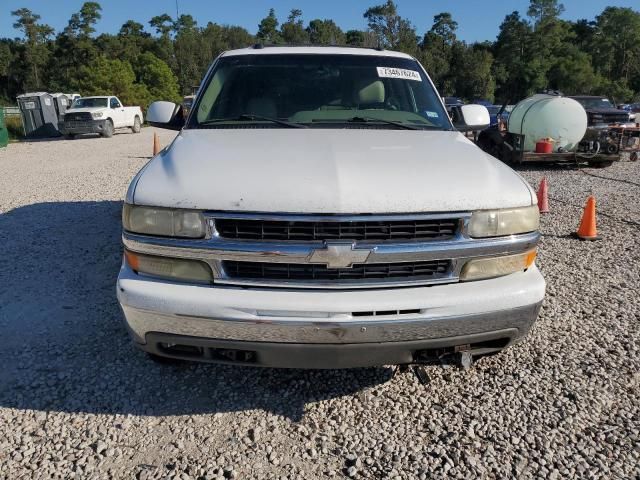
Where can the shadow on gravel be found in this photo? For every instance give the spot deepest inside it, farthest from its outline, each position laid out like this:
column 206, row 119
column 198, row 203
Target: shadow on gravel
column 544, row 166
column 77, row 137
column 41, row 140
column 578, row 167
column 65, row 347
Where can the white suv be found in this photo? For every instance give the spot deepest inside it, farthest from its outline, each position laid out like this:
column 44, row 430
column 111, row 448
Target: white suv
column 318, row 209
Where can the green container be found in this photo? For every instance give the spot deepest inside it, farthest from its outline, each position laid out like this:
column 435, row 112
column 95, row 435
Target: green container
column 4, row 134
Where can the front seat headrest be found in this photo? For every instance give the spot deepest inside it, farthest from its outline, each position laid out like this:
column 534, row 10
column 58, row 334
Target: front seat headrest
column 369, row 92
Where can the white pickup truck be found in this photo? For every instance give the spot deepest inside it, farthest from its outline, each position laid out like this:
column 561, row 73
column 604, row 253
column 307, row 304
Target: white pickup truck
column 318, row 209
column 101, row 115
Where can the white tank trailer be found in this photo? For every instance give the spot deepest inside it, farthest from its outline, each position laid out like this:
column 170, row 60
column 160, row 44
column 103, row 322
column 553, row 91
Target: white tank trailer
column 549, row 116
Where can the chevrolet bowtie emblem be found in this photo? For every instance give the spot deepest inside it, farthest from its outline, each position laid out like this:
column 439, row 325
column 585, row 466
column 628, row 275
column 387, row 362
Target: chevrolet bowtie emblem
column 339, row 255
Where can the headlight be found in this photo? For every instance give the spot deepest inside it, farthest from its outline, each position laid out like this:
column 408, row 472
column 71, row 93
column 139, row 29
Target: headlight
column 171, row 268
column 97, row 114
column 483, row 268
column 164, row 222
column 496, row 223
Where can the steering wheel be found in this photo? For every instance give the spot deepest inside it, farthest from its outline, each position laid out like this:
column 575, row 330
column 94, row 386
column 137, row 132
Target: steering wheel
column 391, row 104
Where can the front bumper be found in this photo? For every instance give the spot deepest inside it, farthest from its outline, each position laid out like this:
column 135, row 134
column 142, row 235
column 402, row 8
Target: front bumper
column 80, row 127
column 327, row 329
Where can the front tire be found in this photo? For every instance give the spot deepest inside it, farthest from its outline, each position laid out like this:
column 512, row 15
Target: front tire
column 70, row 136
column 108, row 129
column 136, row 125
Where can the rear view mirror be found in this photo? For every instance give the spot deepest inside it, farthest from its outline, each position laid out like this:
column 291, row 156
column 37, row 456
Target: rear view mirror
column 469, row 118
column 165, row 115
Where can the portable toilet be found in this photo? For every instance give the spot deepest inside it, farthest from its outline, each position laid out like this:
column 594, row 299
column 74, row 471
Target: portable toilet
column 39, row 115
column 62, row 101
column 4, row 133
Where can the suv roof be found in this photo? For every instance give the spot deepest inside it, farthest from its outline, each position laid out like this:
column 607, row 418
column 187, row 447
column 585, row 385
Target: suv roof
column 286, row 49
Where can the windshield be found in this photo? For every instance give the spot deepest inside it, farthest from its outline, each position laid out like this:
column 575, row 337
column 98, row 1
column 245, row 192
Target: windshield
column 317, row 90
column 89, row 102
column 595, row 102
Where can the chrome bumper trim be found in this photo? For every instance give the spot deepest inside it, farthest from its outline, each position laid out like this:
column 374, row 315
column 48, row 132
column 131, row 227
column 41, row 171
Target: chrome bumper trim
column 215, row 249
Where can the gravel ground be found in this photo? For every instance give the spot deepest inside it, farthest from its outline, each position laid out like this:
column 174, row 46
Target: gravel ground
column 78, row 401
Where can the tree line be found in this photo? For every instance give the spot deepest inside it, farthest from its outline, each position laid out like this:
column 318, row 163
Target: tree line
column 169, row 56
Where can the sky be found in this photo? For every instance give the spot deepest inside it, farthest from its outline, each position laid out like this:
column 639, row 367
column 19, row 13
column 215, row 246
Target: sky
column 478, row 20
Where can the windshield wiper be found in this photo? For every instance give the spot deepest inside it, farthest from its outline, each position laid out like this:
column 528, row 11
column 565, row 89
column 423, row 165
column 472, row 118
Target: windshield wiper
column 380, row 120
column 249, row 117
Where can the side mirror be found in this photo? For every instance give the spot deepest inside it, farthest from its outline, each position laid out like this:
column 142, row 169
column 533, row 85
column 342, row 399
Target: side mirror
column 470, row 118
column 165, row 115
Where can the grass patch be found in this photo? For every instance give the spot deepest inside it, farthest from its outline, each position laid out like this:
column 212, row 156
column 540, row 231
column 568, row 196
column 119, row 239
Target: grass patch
column 14, row 127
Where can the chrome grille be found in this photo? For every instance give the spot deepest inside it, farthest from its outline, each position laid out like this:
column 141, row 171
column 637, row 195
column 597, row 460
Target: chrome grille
column 313, row 272
column 360, row 230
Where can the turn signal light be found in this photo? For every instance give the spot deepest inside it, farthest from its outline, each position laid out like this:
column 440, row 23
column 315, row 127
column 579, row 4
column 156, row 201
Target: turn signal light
column 483, row 268
column 169, row 268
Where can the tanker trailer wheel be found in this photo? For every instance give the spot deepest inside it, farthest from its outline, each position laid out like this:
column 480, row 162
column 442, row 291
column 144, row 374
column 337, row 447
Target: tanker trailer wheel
column 605, row 164
column 493, row 143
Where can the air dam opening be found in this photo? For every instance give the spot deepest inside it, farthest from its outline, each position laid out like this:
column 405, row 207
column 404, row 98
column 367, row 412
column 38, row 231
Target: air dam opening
column 181, row 350
column 227, row 355
column 231, row 355
column 381, row 313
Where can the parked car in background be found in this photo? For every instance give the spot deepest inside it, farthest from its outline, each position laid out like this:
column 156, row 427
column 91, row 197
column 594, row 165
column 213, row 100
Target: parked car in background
column 101, row 115
column 601, row 111
column 187, row 103
column 318, row 209
column 496, row 112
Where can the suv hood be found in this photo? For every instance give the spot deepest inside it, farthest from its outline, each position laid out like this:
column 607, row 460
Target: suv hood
column 327, row 171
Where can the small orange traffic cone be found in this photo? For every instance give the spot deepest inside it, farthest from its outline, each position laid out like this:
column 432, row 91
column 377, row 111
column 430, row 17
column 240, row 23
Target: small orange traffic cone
column 543, row 199
column 587, row 229
column 156, row 144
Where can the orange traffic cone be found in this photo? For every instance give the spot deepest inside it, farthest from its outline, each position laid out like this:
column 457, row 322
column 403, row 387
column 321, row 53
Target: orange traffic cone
column 156, row 144
column 543, row 199
column 587, row 229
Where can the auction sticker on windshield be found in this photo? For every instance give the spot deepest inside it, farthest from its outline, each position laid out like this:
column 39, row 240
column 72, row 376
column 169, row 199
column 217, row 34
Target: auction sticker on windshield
column 389, row 72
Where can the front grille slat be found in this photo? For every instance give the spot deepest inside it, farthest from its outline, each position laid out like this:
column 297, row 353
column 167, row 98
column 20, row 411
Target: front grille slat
column 78, row 117
column 432, row 269
column 361, row 230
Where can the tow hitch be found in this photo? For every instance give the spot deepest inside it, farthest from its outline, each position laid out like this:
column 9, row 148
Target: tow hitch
column 463, row 360
column 460, row 356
